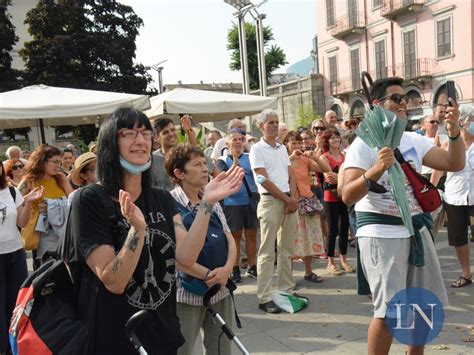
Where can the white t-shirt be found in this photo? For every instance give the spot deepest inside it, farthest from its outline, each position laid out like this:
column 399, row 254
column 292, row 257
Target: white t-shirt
column 10, row 239
column 360, row 155
column 459, row 186
column 275, row 160
column 220, row 149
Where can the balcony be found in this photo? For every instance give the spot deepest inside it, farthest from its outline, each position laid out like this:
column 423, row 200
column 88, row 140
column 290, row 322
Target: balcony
column 420, row 69
column 344, row 26
column 393, row 8
column 344, row 86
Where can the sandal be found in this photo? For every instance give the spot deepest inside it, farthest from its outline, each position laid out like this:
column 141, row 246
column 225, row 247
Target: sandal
column 348, row 268
column 333, row 270
column 462, row 281
column 313, row 278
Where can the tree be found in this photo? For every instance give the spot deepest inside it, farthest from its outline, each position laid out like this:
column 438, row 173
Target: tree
column 306, row 116
column 274, row 55
column 86, row 44
column 9, row 77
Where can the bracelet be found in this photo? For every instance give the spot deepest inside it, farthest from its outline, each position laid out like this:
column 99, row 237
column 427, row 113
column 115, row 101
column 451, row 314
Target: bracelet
column 206, row 276
column 455, row 138
column 367, row 182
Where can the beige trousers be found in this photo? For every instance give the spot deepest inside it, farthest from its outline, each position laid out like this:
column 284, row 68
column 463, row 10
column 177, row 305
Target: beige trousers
column 274, row 225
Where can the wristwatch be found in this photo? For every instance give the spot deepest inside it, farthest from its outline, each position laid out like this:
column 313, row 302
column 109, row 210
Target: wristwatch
column 366, row 182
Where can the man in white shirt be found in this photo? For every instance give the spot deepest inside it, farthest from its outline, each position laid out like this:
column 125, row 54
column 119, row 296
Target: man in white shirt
column 220, row 148
column 384, row 248
column 276, row 210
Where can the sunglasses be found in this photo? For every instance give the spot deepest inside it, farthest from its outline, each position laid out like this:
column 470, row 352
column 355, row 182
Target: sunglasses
column 434, row 122
column 319, row 129
column 17, row 167
column 397, row 98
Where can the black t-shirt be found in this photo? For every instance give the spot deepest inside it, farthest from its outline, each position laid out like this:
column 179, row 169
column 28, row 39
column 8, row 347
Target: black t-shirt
column 152, row 285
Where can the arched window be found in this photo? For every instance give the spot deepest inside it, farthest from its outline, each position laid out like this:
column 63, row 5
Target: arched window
column 336, row 108
column 441, row 97
column 357, row 110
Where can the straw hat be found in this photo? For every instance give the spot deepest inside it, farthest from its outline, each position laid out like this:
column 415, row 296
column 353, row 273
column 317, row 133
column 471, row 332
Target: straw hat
column 79, row 164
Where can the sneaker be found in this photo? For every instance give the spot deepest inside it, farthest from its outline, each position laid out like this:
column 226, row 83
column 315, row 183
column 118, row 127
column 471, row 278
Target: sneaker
column 252, row 272
column 236, row 275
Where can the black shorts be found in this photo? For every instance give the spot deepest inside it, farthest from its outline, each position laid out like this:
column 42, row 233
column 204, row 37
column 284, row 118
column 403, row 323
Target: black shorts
column 241, row 217
column 458, row 224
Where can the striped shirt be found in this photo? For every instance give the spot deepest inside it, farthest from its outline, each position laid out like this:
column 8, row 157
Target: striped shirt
column 183, row 296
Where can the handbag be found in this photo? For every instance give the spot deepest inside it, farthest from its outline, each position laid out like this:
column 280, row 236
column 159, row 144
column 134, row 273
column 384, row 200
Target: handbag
column 425, row 192
column 29, row 235
column 309, row 205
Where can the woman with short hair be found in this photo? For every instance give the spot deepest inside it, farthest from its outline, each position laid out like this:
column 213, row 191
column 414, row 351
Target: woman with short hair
column 187, row 166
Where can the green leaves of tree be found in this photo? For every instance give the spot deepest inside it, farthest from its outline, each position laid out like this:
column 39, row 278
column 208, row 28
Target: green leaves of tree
column 274, row 55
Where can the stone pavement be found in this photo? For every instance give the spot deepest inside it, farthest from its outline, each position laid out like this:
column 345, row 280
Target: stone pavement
column 336, row 319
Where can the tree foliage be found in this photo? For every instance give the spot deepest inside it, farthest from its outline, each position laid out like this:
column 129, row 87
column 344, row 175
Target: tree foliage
column 9, row 78
column 86, row 44
column 306, row 115
column 274, row 55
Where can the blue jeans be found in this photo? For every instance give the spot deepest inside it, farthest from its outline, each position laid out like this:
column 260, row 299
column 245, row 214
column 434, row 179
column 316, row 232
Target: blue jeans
column 13, row 271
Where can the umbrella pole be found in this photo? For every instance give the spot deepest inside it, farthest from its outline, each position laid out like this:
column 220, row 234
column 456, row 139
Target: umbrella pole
column 41, row 129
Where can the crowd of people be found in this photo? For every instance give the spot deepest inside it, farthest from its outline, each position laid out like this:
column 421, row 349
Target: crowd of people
column 186, row 219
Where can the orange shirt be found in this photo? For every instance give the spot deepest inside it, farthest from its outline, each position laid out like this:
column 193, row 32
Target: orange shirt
column 301, row 169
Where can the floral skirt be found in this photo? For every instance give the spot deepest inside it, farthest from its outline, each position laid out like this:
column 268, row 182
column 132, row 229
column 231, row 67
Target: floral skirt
column 309, row 238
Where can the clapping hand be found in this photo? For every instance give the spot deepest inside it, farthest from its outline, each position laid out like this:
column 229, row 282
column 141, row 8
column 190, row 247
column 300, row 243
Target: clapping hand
column 131, row 212
column 34, row 194
column 296, row 154
column 223, row 185
column 186, row 122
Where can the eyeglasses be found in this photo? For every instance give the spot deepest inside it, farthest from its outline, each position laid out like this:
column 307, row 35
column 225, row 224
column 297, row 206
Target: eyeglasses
column 133, row 134
column 434, row 122
column 397, row 98
column 57, row 162
column 18, row 167
column 319, row 129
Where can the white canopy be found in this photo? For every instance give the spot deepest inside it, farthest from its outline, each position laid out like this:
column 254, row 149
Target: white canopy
column 62, row 106
column 207, row 106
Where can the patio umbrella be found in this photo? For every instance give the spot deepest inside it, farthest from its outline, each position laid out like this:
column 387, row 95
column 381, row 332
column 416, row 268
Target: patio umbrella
column 381, row 128
column 207, row 106
column 40, row 105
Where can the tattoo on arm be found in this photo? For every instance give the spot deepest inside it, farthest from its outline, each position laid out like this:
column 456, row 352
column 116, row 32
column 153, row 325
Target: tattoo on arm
column 117, row 263
column 180, row 226
column 132, row 240
column 206, row 206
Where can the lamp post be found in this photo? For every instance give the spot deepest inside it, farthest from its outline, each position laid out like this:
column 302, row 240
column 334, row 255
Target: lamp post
column 243, row 7
column 159, row 69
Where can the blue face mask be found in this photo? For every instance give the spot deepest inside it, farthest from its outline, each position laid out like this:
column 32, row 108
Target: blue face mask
column 133, row 168
column 471, row 128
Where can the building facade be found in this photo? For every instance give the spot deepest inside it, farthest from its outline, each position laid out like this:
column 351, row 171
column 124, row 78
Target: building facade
column 426, row 42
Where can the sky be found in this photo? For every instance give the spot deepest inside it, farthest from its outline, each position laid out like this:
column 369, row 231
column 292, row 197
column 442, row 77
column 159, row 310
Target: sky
column 192, row 36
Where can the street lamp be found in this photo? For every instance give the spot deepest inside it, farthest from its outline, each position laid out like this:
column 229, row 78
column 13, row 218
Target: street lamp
column 159, row 68
column 243, row 7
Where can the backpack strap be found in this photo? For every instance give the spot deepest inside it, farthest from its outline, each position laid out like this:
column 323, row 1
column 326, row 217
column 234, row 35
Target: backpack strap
column 13, row 193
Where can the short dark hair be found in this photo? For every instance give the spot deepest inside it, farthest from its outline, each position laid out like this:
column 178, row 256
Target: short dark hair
column 161, row 123
column 328, row 133
column 178, row 156
column 350, row 135
column 109, row 170
column 379, row 88
column 292, row 134
column 67, row 150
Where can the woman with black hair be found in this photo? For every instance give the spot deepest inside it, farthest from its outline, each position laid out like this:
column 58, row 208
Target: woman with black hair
column 133, row 255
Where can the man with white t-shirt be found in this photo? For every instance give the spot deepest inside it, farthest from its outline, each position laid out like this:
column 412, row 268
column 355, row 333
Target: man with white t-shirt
column 276, row 210
column 384, row 247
